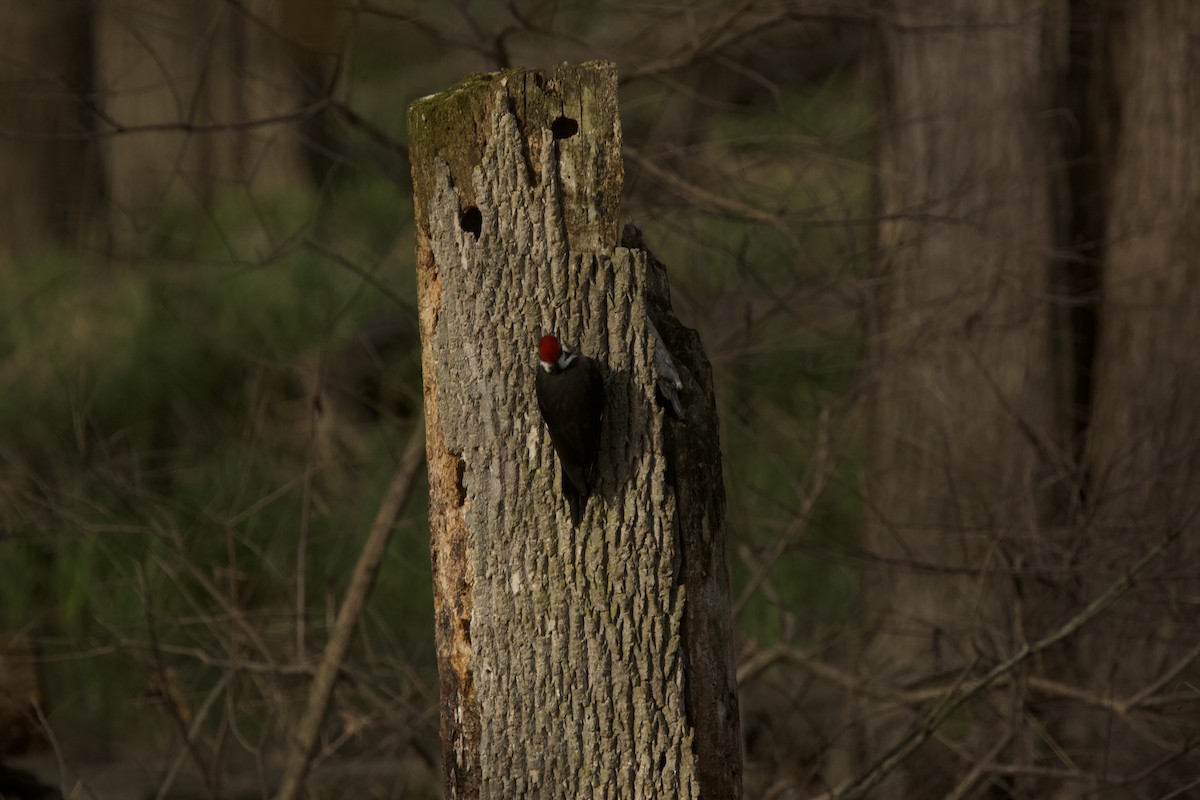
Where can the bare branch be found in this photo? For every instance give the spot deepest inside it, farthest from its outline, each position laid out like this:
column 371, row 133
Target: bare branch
column 369, row 562
column 863, row 785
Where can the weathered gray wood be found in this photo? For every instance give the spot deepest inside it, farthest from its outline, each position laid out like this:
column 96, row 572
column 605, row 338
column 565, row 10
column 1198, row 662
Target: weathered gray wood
column 564, row 654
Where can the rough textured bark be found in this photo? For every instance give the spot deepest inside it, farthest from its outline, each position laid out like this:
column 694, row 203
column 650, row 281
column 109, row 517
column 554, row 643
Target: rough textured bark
column 1144, row 444
column 217, row 86
column 573, row 663
column 966, row 434
column 49, row 171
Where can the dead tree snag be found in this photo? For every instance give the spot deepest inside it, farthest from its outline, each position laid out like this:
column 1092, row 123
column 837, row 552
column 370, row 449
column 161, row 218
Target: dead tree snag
column 574, row 663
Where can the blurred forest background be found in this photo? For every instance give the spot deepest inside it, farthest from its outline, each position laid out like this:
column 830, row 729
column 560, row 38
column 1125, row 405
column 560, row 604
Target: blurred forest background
column 943, row 256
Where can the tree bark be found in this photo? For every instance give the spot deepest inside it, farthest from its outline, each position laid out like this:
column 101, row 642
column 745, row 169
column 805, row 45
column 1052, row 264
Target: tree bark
column 573, row 663
column 967, row 432
column 49, row 169
column 1144, row 444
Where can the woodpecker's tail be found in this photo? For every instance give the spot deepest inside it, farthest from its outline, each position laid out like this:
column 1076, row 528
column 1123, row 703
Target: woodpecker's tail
column 576, row 498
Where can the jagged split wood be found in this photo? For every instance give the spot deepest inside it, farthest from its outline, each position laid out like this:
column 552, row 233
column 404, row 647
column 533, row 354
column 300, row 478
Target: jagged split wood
column 573, row 663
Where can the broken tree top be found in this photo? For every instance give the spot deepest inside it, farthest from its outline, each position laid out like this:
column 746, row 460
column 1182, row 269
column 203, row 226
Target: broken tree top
column 574, row 105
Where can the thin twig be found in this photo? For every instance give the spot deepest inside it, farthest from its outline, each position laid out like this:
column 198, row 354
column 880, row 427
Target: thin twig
column 60, row 759
column 349, row 264
column 310, row 459
column 190, row 745
column 820, row 469
column 705, row 44
column 193, row 732
column 980, row 769
column 712, row 200
column 1182, row 791
column 365, row 571
column 117, row 128
column 1164, row 679
column 888, row 762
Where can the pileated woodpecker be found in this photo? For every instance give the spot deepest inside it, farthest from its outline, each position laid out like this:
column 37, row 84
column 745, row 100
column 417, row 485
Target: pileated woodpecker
column 571, row 397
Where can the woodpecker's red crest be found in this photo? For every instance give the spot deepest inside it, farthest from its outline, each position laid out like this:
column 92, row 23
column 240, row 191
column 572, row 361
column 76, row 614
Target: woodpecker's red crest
column 549, row 350
column 571, row 397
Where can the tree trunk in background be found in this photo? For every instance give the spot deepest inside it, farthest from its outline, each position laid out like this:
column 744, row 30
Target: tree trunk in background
column 218, row 72
column 967, row 433
column 49, row 177
column 1144, row 443
column 573, row 663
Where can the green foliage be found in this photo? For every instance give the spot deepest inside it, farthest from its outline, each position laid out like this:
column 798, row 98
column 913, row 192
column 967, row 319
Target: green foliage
column 162, row 449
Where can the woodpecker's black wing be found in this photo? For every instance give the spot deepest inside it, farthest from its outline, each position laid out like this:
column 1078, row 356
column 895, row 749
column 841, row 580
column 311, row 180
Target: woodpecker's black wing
column 572, row 403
